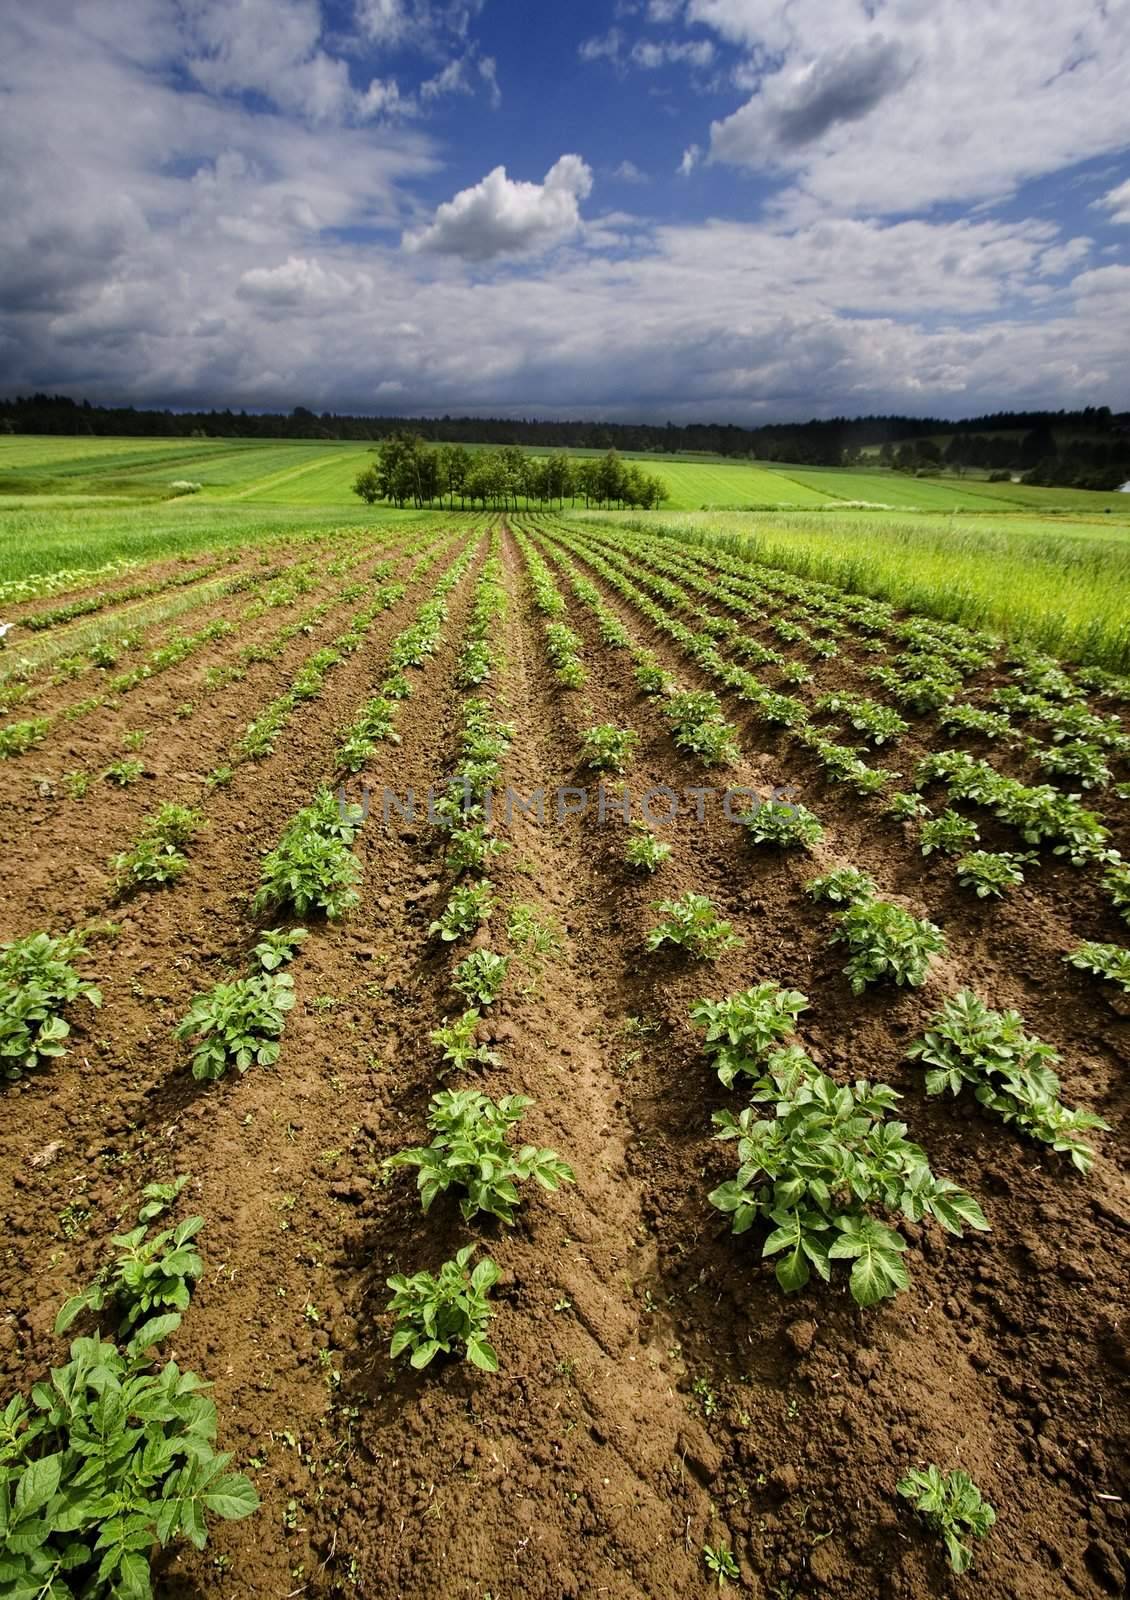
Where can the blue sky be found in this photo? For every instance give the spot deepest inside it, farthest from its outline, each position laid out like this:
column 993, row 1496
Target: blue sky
column 740, row 210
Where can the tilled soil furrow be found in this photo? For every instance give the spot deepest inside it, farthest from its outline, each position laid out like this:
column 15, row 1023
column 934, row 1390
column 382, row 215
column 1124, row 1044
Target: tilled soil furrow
column 170, row 944
column 178, row 757
column 1054, row 1259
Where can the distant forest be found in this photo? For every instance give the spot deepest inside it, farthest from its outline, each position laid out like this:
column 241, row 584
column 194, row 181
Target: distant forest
column 1089, row 448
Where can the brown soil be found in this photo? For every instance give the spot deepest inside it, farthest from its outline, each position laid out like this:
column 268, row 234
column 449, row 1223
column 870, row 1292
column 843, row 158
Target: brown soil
column 657, row 1390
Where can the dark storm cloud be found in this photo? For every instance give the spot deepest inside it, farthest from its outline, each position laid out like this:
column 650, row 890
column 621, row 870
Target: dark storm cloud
column 840, row 88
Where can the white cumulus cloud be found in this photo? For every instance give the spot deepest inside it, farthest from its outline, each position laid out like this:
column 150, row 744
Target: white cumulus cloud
column 505, row 216
column 1117, row 202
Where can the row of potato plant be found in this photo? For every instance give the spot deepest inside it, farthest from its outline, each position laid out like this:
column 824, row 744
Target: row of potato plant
column 470, row 1151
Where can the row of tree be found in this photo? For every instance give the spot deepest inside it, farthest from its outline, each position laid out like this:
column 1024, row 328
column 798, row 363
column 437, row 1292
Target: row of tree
column 1037, row 456
column 409, row 471
column 830, row 441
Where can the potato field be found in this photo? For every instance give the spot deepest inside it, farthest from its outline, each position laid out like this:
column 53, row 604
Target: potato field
column 608, row 1056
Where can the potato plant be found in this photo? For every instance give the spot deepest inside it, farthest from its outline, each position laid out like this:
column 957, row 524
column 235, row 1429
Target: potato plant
column 471, row 1151
column 783, row 826
column 741, row 1030
column 826, row 1168
column 691, row 923
column 951, row 833
column 1010, row 1071
column 276, row 946
column 906, row 807
column 158, row 855
column 125, row 772
column 468, row 906
column 644, row 852
column 606, row 748
column 148, row 1286
column 1078, row 760
column 38, row 979
column 470, row 849
column 480, row 977
column 375, row 725
column 237, row 1024
column 698, row 726
column 651, row 678
column 1116, row 882
column 459, row 1044
column 972, row 719
column 563, row 647
column 444, row 1312
column 19, row 737
column 843, row 886
column 877, row 723
column 886, row 942
column 107, row 1460
column 987, row 872
column 312, row 867
column 954, row 1508
column 1108, row 961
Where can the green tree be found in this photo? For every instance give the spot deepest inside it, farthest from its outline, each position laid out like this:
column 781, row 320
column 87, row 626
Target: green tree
column 367, row 484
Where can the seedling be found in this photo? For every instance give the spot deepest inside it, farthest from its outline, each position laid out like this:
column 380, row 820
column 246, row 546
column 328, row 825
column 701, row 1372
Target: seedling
column 468, row 906
column 107, row 1460
column 692, row 923
column 818, row 1168
column 953, row 1506
column 646, row 853
column 886, row 942
column 1010, row 1071
column 277, row 946
column 720, row 1564
column 989, row 873
column 37, row 980
column 1116, row 882
column 237, row 1024
column 125, row 772
column 1109, row 961
column 950, row 833
column 470, row 849
column 782, row 825
column 470, row 1151
column 607, row 748
column 699, row 727
column 843, row 886
column 312, row 867
column 149, row 1285
column 441, row 1313
column 480, row 976
column 741, row 1030
column 19, row 737
column 457, row 1040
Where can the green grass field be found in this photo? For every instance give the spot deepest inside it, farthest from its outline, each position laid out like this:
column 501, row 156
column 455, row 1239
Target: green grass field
column 1062, row 585
column 310, row 473
column 1050, row 565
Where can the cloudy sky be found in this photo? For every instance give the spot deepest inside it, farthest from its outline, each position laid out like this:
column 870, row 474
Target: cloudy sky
column 717, row 209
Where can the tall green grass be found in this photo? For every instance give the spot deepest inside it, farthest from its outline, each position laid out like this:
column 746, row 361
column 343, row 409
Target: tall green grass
column 1066, row 590
column 38, row 536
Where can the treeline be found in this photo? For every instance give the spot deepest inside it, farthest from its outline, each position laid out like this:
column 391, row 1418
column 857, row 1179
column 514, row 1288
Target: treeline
column 1037, row 457
column 409, row 471
column 825, row 442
